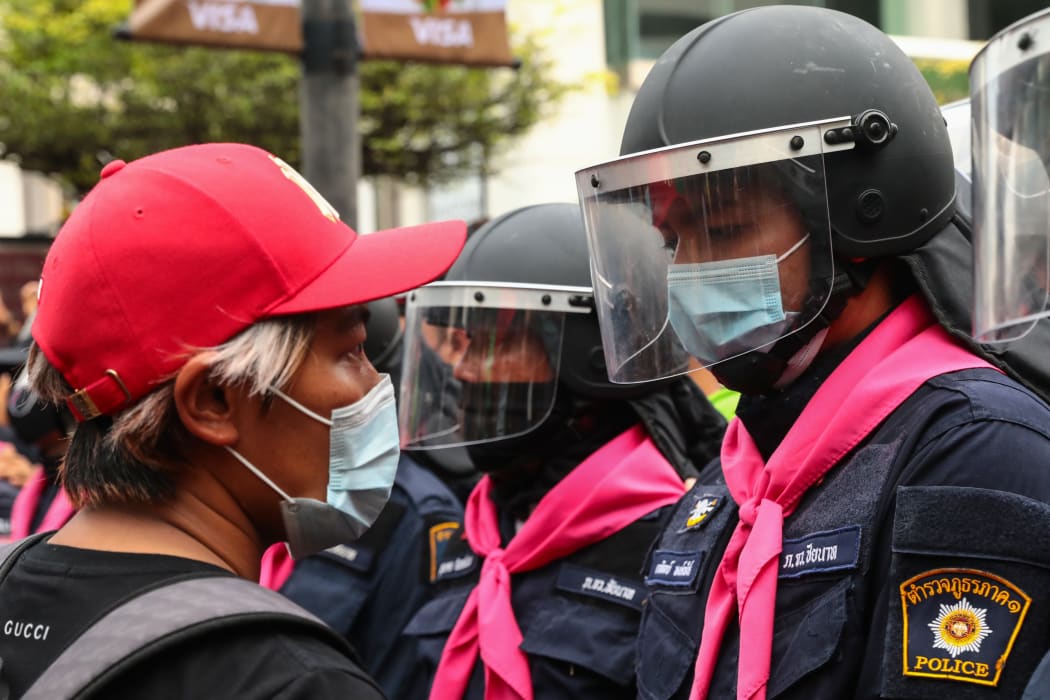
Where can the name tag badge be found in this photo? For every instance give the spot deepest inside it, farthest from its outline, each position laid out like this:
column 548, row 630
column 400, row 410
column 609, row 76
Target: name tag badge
column 675, row 569
column 960, row 624
column 356, row 558
column 598, row 584
column 821, row 552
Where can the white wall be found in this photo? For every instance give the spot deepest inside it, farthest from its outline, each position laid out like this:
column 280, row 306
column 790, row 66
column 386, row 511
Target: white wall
column 585, row 128
column 12, row 203
column 588, row 123
column 30, row 202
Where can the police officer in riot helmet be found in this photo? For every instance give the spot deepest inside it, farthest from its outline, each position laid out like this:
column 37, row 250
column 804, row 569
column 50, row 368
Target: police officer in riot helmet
column 577, row 469
column 368, row 590
column 784, row 173
column 1010, row 97
column 43, row 430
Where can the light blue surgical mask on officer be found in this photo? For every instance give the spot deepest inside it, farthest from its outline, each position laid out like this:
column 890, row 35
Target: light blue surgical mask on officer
column 724, row 308
column 362, row 464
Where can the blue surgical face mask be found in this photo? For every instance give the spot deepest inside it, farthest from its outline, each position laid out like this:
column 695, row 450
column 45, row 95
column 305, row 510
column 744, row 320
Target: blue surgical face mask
column 362, row 464
column 724, row 308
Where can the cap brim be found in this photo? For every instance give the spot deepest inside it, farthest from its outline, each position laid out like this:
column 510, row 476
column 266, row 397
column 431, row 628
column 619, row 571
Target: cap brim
column 382, row 264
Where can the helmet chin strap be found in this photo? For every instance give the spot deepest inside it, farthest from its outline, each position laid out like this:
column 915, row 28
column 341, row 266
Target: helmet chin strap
column 758, row 372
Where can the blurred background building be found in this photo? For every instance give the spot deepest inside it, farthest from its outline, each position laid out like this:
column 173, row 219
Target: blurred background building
column 607, row 47
column 603, row 49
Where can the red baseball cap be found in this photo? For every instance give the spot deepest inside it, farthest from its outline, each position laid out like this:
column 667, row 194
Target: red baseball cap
column 183, row 249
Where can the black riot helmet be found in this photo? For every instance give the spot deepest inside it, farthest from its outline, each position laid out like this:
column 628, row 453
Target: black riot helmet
column 512, row 320
column 774, row 148
column 514, row 330
column 35, row 422
column 383, row 345
column 541, row 246
column 773, row 66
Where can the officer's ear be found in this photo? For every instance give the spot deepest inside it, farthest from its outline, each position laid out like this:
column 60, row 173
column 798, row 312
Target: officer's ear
column 206, row 409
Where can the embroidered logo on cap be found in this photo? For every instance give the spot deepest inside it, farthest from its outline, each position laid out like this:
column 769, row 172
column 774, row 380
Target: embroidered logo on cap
column 292, row 174
column 960, row 624
column 450, row 555
column 701, row 512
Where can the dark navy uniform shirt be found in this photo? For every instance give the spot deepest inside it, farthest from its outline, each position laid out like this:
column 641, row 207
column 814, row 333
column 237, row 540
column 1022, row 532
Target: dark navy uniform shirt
column 917, row 568
column 578, row 618
column 370, row 590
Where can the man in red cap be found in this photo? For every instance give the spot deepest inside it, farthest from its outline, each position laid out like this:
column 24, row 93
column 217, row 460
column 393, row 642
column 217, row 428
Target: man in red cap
column 202, row 315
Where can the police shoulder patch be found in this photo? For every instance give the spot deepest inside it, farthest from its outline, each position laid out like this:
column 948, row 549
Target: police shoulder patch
column 450, row 555
column 960, row 624
column 704, row 507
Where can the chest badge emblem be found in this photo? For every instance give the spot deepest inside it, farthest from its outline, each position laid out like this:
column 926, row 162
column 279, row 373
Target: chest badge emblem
column 960, row 628
column 702, row 511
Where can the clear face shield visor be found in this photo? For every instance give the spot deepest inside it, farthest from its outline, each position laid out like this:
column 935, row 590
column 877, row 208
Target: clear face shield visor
column 706, row 251
column 1010, row 96
column 957, row 120
column 481, row 360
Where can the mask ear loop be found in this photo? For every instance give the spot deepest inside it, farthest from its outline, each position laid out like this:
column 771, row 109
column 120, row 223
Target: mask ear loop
column 301, row 407
column 255, row 470
column 793, row 248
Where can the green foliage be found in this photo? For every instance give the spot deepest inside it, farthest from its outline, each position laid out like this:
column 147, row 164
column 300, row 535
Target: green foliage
column 72, row 96
column 434, row 123
column 947, row 78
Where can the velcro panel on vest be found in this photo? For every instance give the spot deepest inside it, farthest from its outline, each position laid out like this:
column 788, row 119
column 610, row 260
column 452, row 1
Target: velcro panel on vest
column 150, row 617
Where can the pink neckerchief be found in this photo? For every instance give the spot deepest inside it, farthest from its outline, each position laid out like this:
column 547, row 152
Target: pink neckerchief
column 26, row 503
column 276, row 567
column 902, row 353
column 608, row 491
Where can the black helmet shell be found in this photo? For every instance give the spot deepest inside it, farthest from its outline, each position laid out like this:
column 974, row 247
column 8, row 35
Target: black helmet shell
column 383, row 344
column 546, row 244
column 779, row 65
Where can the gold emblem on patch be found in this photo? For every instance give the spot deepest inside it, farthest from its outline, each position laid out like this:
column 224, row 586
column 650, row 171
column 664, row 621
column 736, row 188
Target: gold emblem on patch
column 702, row 510
column 440, row 535
column 960, row 624
column 959, row 628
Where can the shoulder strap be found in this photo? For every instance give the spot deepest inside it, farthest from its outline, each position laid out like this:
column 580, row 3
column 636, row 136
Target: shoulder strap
column 162, row 617
column 10, row 552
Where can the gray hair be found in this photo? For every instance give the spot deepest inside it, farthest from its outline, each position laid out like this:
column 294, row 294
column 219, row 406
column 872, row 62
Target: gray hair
column 132, row 456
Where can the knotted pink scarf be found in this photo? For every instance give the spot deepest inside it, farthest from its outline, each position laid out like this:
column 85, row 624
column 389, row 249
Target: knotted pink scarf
column 26, row 503
column 276, row 566
column 902, row 353
column 612, row 488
